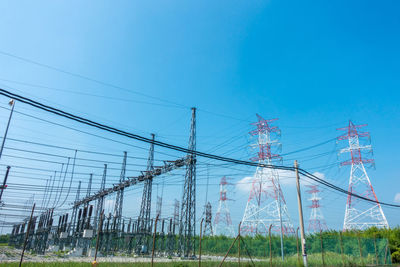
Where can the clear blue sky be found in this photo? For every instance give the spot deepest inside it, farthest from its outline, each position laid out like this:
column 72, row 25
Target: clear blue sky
column 312, row 64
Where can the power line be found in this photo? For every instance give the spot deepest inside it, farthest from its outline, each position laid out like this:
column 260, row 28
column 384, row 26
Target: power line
column 114, row 130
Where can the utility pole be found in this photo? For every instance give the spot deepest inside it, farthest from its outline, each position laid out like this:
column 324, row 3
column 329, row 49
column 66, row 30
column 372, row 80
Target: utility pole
column 303, row 239
column 12, row 104
column 4, row 183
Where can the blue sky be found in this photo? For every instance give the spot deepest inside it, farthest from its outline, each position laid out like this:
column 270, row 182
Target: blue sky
column 312, row 64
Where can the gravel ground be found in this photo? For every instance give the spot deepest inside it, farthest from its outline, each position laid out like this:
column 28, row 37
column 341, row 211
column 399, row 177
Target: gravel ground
column 8, row 254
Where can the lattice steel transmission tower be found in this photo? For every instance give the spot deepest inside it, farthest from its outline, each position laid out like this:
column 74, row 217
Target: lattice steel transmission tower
column 208, row 230
column 360, row 214
column 266, row 204
column 316, row 223
column 176, row 215
column 75, row 209
column 119, row 201
column 100, row 201
column 187, row 228
column 223, row 222
column 144, row 226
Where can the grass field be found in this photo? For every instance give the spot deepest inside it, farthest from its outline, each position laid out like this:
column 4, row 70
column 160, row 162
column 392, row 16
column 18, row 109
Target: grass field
column 314, row 260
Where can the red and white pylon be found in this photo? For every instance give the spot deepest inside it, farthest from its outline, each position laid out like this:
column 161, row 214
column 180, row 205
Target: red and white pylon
column 316, row 223
column 223, row 223
column 266, row 204
column 360, row 214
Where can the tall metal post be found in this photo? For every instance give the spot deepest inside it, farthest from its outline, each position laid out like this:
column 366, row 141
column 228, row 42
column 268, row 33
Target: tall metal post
column 120, row 196
column 187, row 229
column 303, row 238
column 74, row 211
column 27, row 235
column 12, row 104
column 100, row 201
column 4, row 182
column 144, row 227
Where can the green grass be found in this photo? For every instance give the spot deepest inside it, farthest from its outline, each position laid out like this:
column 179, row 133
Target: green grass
column 314, row 260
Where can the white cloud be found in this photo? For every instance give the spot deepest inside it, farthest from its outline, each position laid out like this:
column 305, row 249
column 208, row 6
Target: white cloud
column 397, row 198
column 244, row 185
column 319, row 175
column 286, row 178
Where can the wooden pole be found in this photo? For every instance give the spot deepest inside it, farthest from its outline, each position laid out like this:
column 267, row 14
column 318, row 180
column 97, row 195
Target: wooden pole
column 248, row 253
column 27, row 235
column 341, row 247
column 303, row 238
column 359, row 246
column 100, row 225
column 201, row 229
column 322, row 249
column 154, row 241
column 386, row 250
column 376, row 251
column 240, row 224
column 297, row 245
column 270, row 246
column 226, row 255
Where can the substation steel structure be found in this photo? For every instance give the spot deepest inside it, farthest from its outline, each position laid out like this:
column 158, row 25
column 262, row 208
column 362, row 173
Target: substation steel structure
column 117, row 233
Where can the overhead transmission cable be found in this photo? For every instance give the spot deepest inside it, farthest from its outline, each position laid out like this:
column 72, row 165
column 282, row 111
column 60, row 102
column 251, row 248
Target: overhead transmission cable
column 114, row 130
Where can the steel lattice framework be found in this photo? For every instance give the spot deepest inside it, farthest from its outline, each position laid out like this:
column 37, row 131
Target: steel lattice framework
column 223, row 222
column 266, row 204
column 316, row 223
column 144, row 226
column 360, row 214
column 187, row 227
column 208, row 230
column 100, row 201
column 119, row 201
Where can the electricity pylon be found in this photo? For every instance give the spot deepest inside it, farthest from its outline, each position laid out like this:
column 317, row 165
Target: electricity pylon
column 316, row 223
column 360, row 214
column 120, row 196
column 144, row 226
column 266, row 204
column 187, row 227
column 208, row 230
column 223, row 222
column 100, row 201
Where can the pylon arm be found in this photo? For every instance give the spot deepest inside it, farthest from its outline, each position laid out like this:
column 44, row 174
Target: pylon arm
column 349, row 149
column 168, row 166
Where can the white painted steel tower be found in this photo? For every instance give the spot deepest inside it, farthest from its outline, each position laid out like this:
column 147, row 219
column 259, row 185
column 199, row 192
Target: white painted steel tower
column 223, row 223
column 360, row 214
column 266, row 204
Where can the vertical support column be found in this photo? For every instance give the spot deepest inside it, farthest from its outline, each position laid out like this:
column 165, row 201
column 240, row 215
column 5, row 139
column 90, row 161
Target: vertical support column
column 120, row 196
column 4, row 182
column 12, row 104
column 187, row 229
column 100, row 201
column 143, row 226
column 303, row 238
